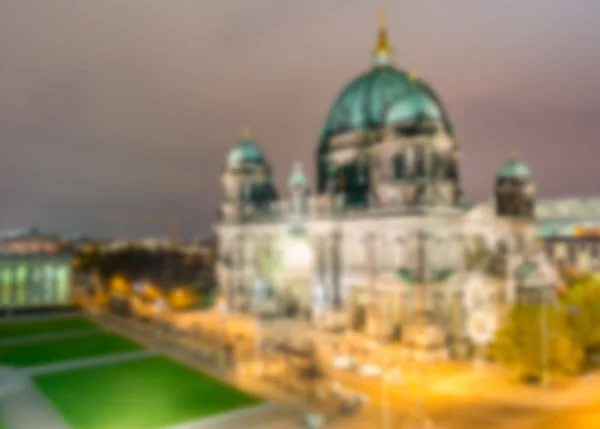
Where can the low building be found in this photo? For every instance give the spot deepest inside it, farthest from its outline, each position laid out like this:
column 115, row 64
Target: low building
column 570, row 230
column 31, row 242
column 35, row 279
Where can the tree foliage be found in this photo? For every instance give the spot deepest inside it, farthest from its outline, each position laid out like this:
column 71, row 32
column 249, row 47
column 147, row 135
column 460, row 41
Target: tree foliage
column 582, row 300
column 573, row 328
column 520, row 344
column 137, row 263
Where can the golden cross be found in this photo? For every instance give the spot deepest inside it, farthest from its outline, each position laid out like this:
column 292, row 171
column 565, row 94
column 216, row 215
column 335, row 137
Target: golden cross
column 382, row 18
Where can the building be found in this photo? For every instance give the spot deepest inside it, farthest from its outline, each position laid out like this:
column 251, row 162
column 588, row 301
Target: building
column 382, row 244
column 33, row 280
column 570, row 229
column 31, row 241
column 34, row 272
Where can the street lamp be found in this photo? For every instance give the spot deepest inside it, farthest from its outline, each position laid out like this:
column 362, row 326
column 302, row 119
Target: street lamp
column 298, row 254
column 385, row 400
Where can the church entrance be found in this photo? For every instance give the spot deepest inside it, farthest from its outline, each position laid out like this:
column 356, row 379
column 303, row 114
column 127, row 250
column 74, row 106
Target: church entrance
column 359, row 317
column 290, row 304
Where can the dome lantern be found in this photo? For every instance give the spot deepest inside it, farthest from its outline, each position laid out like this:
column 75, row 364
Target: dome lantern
column 382, row 56
column 298, row 179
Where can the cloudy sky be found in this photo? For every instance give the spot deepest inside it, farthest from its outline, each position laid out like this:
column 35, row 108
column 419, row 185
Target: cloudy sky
column 130, row 106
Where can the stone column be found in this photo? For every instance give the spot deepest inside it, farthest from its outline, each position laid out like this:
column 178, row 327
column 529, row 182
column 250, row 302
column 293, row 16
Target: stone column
column 336, row 268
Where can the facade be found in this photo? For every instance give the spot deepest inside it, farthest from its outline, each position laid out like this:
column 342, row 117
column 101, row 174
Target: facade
column 382, row 244
column 34, row 280
column 34, row 271
column 32, row 241
column 570, row 229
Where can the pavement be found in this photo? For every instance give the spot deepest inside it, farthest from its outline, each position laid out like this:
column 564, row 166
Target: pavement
column 47, row 337
column 258, row 417
column 27, row 408
column 450, row 398
column 87, row 362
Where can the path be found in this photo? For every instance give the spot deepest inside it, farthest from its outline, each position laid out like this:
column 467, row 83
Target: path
column 188, row 357
column 22, row 406
column 67, row 314
column 88, row 362
column 259, row 417
column 47, row 337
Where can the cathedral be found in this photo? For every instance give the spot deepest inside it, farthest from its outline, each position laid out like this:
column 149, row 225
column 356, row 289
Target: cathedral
column 381, row 244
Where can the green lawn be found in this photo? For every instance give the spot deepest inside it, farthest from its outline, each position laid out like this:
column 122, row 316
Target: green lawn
column 43, row 352
column 2, row 424
column 144, row 394
column 18, row 329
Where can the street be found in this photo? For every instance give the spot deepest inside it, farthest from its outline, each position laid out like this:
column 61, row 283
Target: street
column 446, row 396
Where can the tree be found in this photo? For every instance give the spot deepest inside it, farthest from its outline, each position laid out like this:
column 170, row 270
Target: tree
column 582, row 301
column 519, row 345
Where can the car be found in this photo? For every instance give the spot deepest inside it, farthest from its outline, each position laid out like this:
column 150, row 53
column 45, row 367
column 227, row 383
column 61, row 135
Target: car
column 343, row 362
column 369, row 370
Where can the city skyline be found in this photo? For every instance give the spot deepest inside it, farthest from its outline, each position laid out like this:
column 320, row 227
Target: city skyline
column 132, row 107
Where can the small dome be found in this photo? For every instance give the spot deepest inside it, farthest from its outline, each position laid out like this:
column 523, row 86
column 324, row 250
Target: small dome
column 514, row 169
column 298, row 178
column 245, row 152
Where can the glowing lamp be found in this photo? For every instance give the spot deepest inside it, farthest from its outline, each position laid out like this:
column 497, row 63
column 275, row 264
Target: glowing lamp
column 298, row 254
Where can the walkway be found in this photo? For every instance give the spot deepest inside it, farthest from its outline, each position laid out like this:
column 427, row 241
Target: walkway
column 67, row 314
column 47, row 337
column 88, row 362
column 188, row 357
column 24, row 407
column 259, row 417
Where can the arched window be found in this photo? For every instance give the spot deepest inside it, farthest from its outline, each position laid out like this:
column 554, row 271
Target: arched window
column 399, row 163
column 420, row 161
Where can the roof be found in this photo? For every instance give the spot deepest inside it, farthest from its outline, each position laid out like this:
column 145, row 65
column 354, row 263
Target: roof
column 35, row 257
column 382, row 96
column 245, row 152
column 526, row 270
column 514, row 169
column 573, row 208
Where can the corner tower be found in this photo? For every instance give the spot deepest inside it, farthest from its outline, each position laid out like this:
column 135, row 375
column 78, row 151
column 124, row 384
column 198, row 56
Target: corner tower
column 247, row 178
column 515, row 190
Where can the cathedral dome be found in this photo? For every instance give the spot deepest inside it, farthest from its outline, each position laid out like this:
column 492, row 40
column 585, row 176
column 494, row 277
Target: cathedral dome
column 245, row 152
column 383, row 96
column 514, row 169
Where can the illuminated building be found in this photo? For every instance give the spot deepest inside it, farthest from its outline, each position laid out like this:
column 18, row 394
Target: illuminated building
column 32, row 241
column 30, row 280
column 383, row 246
column 570, row 229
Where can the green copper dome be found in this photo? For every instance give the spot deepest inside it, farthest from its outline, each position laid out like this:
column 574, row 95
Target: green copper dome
column 383, row 96
column 514, row 169
column 298, row 178
column 245, row 152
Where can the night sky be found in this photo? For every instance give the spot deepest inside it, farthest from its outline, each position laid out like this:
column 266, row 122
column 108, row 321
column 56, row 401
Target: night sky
column 130, row 106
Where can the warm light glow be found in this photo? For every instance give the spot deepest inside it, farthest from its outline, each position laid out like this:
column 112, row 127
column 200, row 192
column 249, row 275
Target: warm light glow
column 298, row 254
column 120, row 286
column 182, row 298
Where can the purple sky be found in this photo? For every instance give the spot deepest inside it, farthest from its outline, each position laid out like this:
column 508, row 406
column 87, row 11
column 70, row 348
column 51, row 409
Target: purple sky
column 130, row 106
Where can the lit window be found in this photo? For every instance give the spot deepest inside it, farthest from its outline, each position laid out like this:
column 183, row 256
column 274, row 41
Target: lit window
column 560, row 251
